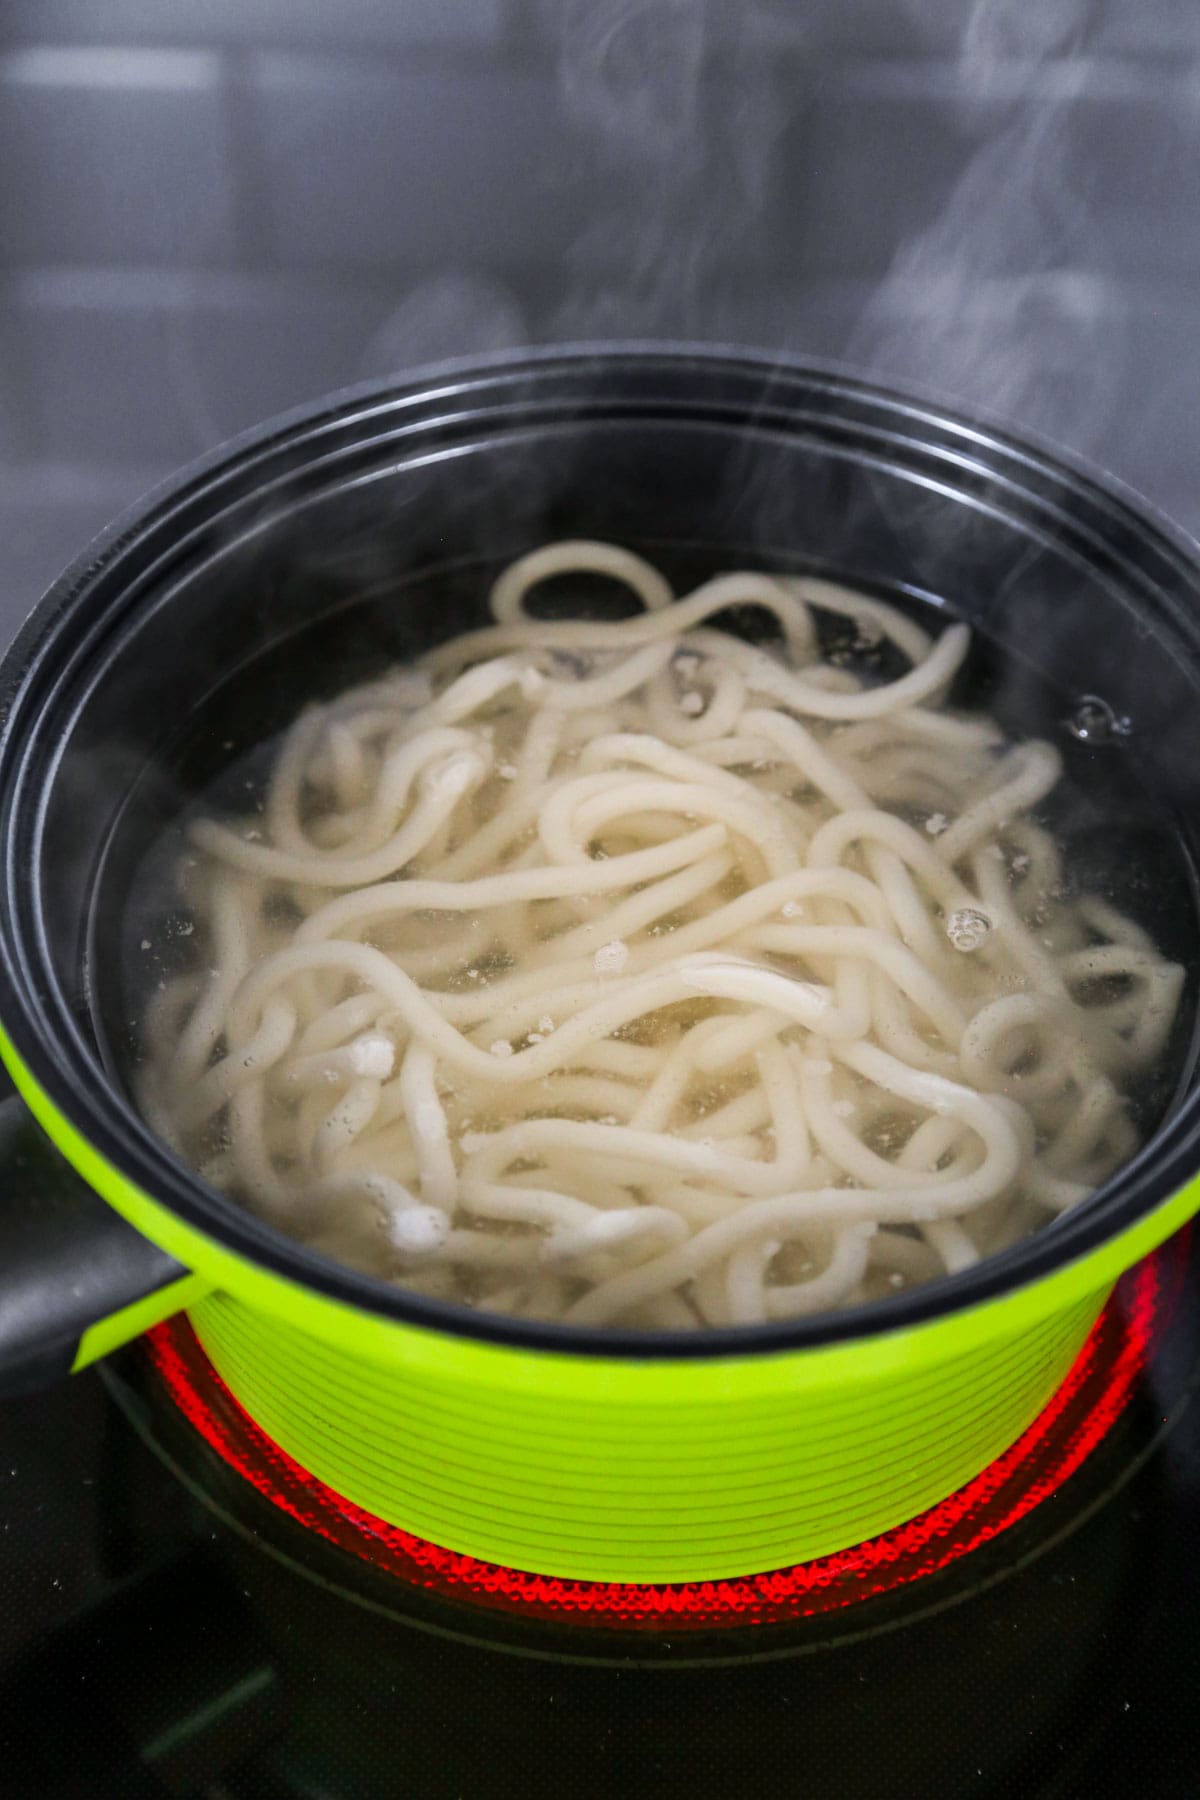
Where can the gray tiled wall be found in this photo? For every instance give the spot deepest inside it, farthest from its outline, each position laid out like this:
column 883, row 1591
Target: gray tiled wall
column 231, row 23
column 115, row 157
column 363, row 164
column 210, row 213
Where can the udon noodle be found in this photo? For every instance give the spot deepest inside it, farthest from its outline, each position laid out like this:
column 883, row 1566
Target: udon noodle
column 638, row 973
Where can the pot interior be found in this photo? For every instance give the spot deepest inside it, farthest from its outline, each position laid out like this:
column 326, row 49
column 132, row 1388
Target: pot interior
column 342, row 548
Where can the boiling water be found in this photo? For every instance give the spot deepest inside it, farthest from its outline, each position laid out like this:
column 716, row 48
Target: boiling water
column 558, row 1226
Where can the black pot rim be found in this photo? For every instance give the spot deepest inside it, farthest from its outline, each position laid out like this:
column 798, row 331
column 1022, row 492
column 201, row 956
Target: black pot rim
column 64, row 1066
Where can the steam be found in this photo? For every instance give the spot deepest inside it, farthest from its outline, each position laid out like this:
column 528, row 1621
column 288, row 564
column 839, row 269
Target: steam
column 630, row 70
column 1002, row 38
column 989, row 301
column 698, row 182
column 984, row 303
column 678, row 125
column 447, row 316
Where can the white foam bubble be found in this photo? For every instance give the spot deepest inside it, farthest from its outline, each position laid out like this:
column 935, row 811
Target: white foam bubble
column 372, row 1055
column 418, row 1230
column 611, row 958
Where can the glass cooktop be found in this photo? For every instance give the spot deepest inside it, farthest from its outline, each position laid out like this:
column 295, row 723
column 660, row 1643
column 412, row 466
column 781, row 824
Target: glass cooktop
column 186, row 1613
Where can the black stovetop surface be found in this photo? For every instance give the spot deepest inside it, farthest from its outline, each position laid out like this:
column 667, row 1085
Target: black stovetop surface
column 168, row 1631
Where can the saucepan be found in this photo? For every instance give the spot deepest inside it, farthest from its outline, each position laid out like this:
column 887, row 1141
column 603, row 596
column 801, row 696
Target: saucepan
column 362, row 530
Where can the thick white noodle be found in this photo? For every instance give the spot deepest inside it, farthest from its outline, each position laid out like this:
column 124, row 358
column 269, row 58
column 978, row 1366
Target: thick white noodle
column 634, row 973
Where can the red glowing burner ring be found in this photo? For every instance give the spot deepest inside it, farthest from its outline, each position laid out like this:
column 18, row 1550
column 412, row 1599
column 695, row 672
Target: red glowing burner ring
column 1084, row 1409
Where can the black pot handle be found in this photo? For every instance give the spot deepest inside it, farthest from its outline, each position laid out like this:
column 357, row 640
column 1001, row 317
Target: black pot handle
column 75, row 1279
